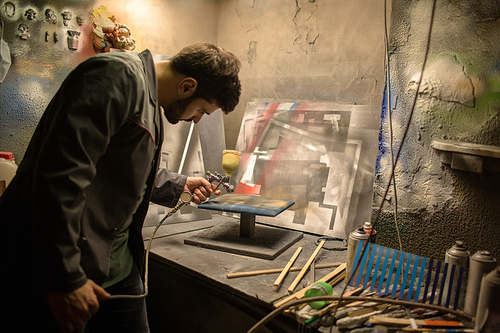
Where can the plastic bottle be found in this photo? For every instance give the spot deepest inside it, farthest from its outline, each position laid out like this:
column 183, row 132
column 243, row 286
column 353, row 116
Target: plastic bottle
column 8, row 169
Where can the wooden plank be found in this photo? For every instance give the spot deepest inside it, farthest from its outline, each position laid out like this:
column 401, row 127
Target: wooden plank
column 467, row 148
column 306, row 267
column 285, row 270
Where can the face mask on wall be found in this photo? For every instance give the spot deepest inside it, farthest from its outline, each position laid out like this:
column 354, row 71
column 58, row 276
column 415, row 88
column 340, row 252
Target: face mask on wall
column 5, row 60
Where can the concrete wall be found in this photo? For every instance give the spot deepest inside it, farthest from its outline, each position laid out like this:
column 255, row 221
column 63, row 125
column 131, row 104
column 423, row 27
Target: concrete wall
column 38, row 67
column 458, row 101
column 323, row 50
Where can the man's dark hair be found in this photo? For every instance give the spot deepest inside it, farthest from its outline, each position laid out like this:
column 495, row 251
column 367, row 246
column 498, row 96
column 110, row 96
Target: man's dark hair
column 216, row 71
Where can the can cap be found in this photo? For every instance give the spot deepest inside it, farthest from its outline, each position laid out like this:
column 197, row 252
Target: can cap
column 319, row 288
column 458, row 250
column 483, row 256
column 7, row 155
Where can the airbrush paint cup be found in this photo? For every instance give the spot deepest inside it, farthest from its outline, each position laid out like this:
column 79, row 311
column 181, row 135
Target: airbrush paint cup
column 230, row 161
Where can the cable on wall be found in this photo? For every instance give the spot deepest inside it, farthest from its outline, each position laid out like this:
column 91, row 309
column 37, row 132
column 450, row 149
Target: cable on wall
column 391, row 132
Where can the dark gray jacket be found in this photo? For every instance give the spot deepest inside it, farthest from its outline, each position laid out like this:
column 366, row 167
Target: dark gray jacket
column 96, row 146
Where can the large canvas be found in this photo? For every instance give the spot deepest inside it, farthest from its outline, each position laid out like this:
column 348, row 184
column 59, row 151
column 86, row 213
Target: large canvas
column 320, row 155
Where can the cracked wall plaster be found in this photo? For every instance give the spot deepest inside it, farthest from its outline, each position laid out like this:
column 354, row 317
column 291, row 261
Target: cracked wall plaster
column 445, row 79
column 306, row 50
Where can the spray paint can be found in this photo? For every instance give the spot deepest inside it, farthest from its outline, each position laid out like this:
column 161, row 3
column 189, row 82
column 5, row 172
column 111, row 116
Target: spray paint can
column 367, row 227
column 458, row 256
column 488, row 307
column 352, row 245
column 480, row 263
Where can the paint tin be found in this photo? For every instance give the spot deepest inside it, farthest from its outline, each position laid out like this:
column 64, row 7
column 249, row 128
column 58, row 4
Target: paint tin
column 354, row 237
column 458, row 256
column 480, row 263
column 488, row 307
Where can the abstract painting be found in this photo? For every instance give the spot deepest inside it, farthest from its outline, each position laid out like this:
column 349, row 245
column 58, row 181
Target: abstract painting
column 321, row 155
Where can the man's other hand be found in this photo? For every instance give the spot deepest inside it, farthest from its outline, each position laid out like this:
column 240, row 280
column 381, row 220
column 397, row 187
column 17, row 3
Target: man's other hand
column 73, row 309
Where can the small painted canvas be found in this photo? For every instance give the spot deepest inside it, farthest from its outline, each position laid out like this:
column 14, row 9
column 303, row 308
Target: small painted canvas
column 247, row 204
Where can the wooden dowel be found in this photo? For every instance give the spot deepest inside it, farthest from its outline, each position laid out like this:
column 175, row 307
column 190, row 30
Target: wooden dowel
column 277, row 270
column 287, row 267
column 306, row 266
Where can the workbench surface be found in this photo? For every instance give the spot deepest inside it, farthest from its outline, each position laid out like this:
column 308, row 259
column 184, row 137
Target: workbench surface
column 175, row 265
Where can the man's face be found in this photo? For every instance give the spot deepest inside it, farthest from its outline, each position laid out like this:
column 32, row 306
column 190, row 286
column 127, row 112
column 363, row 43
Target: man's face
column 189, row 109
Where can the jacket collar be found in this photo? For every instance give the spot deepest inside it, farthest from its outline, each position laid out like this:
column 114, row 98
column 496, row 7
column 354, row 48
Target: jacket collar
column 152, row 82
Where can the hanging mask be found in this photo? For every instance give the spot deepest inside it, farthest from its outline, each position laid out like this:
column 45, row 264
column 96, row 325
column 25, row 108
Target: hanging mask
column 5, row 59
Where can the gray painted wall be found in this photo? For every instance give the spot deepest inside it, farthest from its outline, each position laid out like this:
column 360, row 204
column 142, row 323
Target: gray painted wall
column 458, row 101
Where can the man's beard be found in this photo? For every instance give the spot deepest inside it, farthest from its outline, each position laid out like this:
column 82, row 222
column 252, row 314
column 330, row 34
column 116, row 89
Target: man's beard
column 176, row 109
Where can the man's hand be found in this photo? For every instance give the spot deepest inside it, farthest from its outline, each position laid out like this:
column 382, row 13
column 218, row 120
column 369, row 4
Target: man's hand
column 200, row 188
column 73, row 309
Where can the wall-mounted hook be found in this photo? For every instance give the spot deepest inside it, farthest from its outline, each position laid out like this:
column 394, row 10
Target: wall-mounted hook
column 73, row 39
column 23, row 31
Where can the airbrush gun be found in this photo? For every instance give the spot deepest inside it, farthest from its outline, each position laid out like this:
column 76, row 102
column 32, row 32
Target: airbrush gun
column 230, row 162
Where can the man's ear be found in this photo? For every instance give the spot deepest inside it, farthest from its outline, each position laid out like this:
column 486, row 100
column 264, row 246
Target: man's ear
column 187, row 87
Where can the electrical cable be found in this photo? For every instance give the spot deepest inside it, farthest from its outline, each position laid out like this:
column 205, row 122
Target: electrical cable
column 355, row 269
column 332, row 239
column 184, row 200
column 389, row 113
column 291, row 304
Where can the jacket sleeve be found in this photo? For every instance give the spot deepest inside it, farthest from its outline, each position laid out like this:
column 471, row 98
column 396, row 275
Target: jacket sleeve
column 168, row 187
column 91, row 105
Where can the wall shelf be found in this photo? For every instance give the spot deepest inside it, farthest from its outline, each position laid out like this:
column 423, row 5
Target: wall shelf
column 466, row 156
